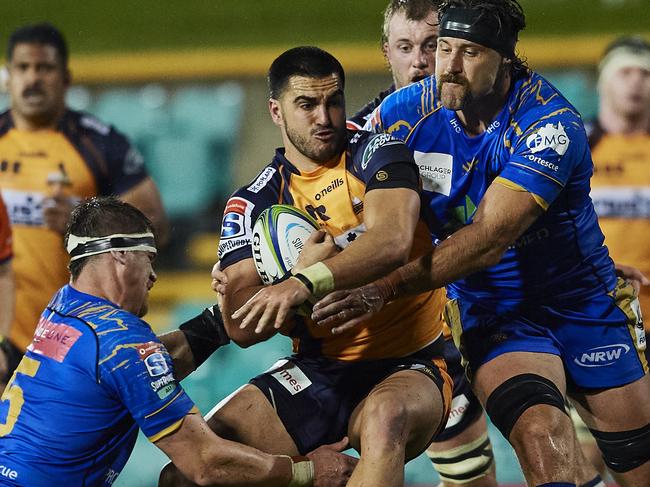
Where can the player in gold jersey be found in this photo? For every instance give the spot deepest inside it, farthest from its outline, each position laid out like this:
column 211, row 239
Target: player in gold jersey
column 383, row 385
column 50, row 158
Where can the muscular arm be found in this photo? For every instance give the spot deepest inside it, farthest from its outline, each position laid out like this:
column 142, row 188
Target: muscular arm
column 503, row 216
column 207, row 459
column 244, row 282
column 177, row 346
column 146, row 197
column 390, row 216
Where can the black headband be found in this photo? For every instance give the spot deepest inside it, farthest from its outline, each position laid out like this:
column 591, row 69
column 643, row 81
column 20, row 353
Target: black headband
column 474, row 26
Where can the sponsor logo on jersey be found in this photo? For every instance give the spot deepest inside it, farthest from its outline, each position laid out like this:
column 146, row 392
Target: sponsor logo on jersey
column 164, row 386
column 602, row 356
column 436, row 171
column 133, row 161
column 549, row 137
column 53, row 340
column 542, row 162
column 264, row 177
column 8, row 472
column 235, row 232
column 94, row 124
column 381, row 176
column 376, row 142
column 290, row 376
column 349, row 236
column 337, row 183
column 24, row 207
column 459, row 405
column 151, row 354
column 621, row 201
column 111, row 476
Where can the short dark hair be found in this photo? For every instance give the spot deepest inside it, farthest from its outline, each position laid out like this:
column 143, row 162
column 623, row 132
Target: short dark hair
column 101, row 216
column 507, row 14
column 43, row 33
column 308, row 61
column 413, row 10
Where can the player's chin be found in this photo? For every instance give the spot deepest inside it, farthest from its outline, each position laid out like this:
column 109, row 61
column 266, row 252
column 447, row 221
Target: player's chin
column 453, row 98
column 143, row 309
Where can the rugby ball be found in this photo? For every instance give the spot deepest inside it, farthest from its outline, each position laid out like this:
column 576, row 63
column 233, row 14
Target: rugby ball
column 279, row 234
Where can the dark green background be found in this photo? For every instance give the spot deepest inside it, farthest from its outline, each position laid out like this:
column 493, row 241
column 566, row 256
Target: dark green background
column 123, row 25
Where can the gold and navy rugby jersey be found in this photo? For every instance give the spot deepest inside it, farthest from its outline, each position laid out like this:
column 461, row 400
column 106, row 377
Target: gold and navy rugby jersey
column 620, row 190
column 334, row 196
column 83, row 157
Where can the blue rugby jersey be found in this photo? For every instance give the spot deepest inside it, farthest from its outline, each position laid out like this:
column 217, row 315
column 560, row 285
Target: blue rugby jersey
column 536, row 143
column 92, row 375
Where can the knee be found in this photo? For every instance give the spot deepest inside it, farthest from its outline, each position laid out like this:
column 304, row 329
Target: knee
column 519, row 396
column 539, row 425
column 385, row 419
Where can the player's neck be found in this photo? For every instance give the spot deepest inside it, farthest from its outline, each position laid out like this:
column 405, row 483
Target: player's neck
column 616, row 123
column 480, row 113
column 305, row 164
column 34, row 124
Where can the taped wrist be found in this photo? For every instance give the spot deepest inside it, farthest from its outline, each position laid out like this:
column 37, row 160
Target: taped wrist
column 205, row 333
column 387, row 286
column 317, row 278
column 302, row 469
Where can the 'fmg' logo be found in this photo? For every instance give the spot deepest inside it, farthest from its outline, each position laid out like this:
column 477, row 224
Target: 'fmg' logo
column 602, row 356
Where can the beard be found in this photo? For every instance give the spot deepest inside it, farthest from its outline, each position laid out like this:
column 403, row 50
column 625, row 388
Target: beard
column 313, row 148
column 454, row 97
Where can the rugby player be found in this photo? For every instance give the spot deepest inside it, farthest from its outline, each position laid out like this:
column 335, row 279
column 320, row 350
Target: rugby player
column 7, row 291
column 620, row 187
column 462, row 452
column 384, row 385
column 55, row 157
column 536, row 306
column 95, row 372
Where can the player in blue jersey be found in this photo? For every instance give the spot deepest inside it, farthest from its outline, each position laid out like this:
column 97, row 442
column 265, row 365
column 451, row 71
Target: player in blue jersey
column 536, row 306
column 462, row 452
column 95, row 373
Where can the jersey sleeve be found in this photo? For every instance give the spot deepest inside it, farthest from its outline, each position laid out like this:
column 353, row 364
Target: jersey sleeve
column 139, row 371
column 400, row 112
column 372, row 152
column 236, row 230
column 126, row 166
column 545, row 156
column 5, row 234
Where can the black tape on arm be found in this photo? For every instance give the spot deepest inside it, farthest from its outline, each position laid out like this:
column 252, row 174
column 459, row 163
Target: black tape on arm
column 205, row 333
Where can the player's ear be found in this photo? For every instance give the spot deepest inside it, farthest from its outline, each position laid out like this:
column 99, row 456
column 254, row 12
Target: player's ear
column 119, row 256
column 275, row 111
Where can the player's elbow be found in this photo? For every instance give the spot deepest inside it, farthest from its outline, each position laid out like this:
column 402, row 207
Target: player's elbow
column 243, row 338
column 397, row 252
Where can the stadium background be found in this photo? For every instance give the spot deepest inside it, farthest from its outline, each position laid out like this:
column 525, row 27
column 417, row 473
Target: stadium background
column 185, row 80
